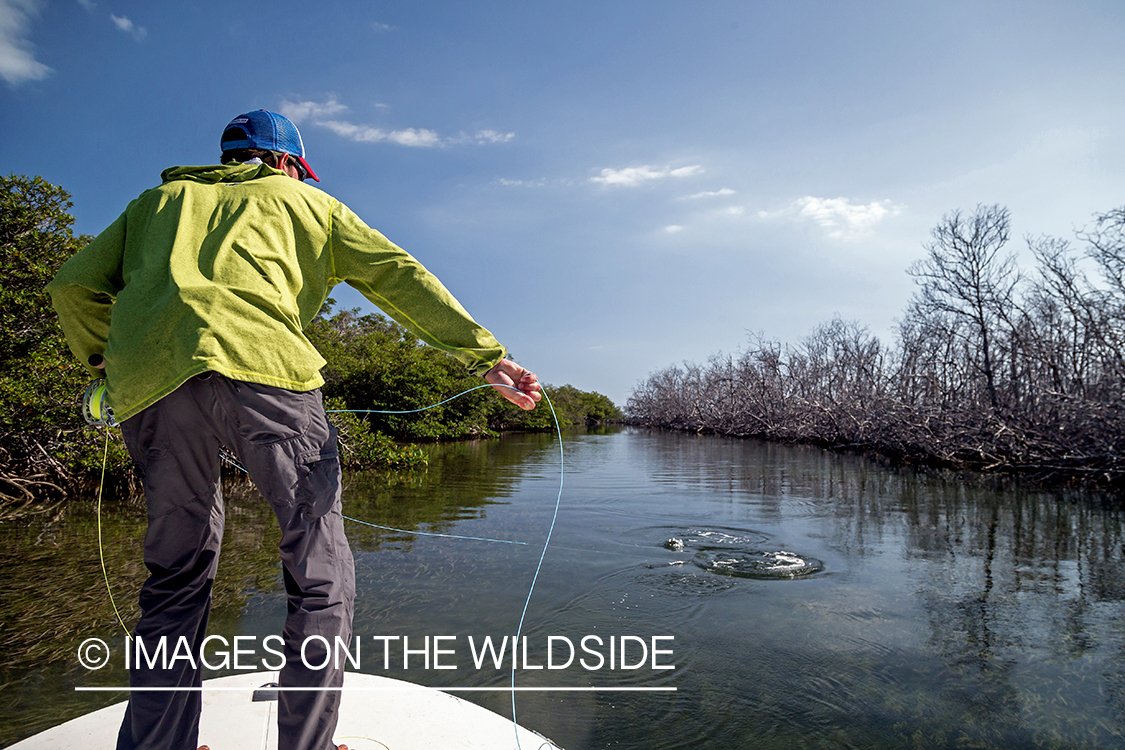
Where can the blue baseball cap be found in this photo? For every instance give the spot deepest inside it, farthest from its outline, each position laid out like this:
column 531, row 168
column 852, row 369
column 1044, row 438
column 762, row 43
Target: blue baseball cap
column 268, row 131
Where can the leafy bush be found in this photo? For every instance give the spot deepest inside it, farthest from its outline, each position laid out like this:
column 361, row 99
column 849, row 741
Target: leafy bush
column 44, row 441
column 375, row 364
column 361, row 448
column 573, row 407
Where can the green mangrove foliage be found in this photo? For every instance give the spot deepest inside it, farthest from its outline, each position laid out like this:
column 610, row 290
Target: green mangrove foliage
column 44, row 442
column 375, row 364
column 995, row 368
column 47, row 450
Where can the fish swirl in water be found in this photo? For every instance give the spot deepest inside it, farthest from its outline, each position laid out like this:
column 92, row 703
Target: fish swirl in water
column 756, row 563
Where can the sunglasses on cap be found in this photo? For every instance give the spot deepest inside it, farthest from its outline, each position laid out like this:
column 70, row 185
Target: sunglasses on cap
column 302, row 172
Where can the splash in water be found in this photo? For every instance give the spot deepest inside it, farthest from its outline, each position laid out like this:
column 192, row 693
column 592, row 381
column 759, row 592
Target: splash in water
column 742, row 554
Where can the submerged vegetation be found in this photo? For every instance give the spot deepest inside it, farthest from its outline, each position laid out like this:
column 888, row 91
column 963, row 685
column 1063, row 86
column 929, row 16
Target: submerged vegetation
column 47, row 450
column 994, row 368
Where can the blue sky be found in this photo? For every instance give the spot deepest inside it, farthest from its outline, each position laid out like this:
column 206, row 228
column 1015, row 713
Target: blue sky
column 610, row 187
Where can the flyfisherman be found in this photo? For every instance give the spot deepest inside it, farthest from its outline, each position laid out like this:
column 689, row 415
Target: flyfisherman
column 194, row 301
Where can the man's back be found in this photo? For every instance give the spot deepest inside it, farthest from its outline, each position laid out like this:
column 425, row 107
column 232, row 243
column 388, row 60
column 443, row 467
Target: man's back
column 220, row 268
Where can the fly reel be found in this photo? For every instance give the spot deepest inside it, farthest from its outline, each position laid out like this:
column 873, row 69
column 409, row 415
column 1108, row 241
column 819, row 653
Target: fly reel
column 95, row 405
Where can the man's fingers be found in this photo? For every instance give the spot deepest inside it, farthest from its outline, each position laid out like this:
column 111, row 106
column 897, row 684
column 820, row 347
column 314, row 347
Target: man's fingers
column 523, row 399
column 515, row 383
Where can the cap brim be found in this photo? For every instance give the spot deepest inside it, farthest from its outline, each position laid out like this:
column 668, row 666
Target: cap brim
column 305, row 164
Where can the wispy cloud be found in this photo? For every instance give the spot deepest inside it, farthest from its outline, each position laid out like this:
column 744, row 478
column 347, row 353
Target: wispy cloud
column 710, row 194
column 839, row 216
column 87, row 4
column 328, row 115
column 123, row 23
column 381, row 27
column 298, row 112
column 484, row 136
column 633, row 176
column 17, row 58
column 673, row 228
column 541, row 182
column 368, row 134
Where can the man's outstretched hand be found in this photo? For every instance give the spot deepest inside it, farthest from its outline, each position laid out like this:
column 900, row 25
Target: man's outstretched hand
column 508, row 373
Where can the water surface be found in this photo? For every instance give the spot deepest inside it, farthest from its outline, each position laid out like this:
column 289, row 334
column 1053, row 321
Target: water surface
column 805, row 599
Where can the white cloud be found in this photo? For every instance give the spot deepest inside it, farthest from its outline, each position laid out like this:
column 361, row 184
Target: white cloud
column 629, row 176
column 326, row 115
column 482, row 137
column 491, row 136
column 17, row 59
column 298, row 112
column 633, row 176
column 687, row 171
column 383, row 27
column 368, row 134
column 542, row 182
column 673, row 228
column 87, row 4
column 123, row 23
column 839, row 216
column 710, row 194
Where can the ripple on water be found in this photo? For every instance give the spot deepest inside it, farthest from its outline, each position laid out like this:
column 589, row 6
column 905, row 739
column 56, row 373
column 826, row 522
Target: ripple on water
column 741, row 553
column 762, row 564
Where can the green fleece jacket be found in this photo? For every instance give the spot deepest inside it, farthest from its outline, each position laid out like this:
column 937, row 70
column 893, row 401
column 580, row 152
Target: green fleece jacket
column 221, row 268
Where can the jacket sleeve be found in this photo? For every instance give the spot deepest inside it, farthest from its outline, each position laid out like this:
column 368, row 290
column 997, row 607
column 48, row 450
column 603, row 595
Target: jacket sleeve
column 84, row 289
column 401, row 287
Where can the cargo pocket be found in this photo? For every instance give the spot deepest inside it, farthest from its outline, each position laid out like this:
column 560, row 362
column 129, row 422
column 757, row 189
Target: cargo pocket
column 270, row 415
column 318, row 483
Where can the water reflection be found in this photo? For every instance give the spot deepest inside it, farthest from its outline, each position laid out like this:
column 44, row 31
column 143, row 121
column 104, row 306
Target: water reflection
column 1016, row 597
column 940, row 614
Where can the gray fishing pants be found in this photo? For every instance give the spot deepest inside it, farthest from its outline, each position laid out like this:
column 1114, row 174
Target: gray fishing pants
column 288, row 447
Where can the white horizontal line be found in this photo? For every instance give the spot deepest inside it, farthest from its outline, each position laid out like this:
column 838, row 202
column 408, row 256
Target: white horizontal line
column 126, row 688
